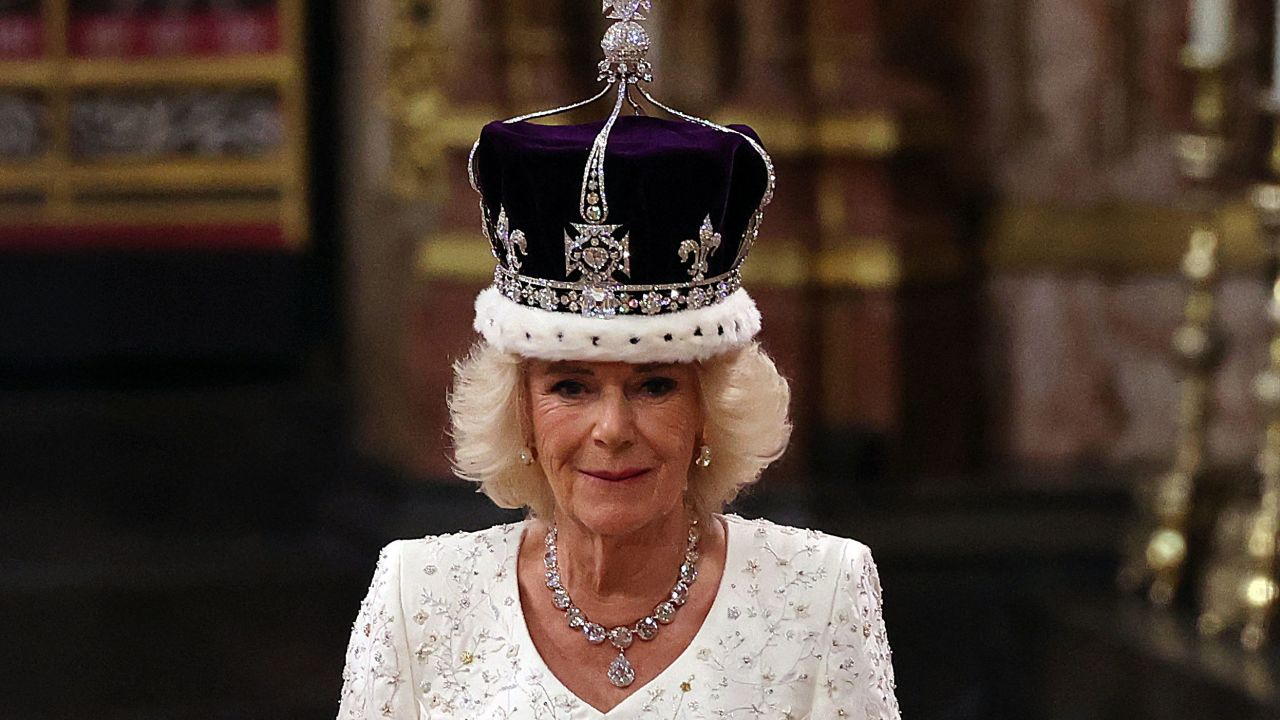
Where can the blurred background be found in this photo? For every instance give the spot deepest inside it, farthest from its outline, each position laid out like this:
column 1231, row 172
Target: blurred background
column 238, row 252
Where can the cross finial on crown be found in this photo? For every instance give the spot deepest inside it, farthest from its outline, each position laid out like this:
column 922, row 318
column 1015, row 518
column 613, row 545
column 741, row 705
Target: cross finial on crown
column 627, row 10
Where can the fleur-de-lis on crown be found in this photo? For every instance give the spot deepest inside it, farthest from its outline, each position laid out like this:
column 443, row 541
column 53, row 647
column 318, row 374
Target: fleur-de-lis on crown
column 627, row 10
column 510, row 239
column 701, row 249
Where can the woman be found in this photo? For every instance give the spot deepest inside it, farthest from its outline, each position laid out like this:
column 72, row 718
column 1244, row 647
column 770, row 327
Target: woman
column 618, row 395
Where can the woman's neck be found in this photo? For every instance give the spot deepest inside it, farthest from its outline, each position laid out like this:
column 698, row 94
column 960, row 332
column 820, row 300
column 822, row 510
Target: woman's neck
column 614, row 578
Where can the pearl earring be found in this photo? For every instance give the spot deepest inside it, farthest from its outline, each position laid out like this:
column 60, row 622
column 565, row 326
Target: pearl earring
column 526, row 456
column 704, row 457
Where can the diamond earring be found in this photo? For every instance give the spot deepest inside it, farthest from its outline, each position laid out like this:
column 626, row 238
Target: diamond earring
column 526, row 456
column 704, row 457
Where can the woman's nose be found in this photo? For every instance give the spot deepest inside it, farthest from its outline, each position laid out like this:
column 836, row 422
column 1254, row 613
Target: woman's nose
column 615, row 423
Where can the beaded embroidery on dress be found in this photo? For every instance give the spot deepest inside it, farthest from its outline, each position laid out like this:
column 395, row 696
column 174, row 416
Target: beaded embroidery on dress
column 796, row 631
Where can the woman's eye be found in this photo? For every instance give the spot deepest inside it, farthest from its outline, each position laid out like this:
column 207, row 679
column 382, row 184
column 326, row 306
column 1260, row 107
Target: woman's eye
column 659, row 386
column 569, row 388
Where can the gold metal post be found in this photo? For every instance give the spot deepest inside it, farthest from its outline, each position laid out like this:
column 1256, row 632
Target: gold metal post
column 1158, row 560
column 1239, row 587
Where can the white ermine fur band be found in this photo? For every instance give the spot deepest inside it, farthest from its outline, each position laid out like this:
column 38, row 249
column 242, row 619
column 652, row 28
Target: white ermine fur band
column 683, row 336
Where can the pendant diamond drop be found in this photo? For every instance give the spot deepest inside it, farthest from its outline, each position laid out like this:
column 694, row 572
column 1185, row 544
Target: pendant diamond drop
column 621, row 674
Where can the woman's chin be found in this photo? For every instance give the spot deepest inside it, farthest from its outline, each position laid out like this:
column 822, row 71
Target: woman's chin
column 622, row 504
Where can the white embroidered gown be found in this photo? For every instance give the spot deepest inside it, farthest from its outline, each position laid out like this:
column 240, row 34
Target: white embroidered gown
column 795, row 631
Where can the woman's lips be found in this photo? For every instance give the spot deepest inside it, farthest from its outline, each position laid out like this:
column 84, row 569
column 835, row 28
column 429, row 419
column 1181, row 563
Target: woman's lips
column 616, row 475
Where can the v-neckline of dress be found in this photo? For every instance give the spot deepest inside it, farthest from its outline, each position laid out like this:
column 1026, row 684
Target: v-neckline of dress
column 585, row 710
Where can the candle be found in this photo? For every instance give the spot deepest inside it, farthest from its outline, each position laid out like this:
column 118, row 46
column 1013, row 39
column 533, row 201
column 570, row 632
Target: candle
column 1210, row 30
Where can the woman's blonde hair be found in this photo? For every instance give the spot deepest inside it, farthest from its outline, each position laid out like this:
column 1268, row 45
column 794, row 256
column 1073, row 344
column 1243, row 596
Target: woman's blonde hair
column 744, row 403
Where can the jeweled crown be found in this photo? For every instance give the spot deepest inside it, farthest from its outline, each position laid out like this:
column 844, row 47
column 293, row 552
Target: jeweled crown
column 621, row 239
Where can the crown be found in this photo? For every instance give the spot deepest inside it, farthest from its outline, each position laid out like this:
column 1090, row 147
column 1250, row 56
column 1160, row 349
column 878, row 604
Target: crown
column 622, row 239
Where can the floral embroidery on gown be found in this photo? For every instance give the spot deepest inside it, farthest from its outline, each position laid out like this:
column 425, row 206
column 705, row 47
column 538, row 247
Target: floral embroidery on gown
column 795, row 631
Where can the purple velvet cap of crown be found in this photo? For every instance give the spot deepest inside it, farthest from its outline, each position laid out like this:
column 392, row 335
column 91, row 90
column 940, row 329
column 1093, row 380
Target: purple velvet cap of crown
column 662, row 179
column 657, row 280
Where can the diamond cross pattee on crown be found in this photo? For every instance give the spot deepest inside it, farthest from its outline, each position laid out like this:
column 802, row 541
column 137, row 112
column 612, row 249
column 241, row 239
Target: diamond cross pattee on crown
column 596, row 253
column 510, row 239
column 627, row 9
column 700, row 249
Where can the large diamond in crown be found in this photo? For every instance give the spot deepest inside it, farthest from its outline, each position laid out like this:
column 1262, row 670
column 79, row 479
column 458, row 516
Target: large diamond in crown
column 596, row 253
column 627, row 9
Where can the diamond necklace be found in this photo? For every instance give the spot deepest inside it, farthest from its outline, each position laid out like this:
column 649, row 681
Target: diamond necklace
column 621, row 673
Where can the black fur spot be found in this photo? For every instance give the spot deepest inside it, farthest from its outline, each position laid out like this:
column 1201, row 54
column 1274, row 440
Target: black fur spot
column 595, row 341
column 635, row 341
column 720, row 330
column 697, row 332
column 667, row 337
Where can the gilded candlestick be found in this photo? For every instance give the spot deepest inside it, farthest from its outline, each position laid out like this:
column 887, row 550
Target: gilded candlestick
column 1240, row 585
column 1157, row 563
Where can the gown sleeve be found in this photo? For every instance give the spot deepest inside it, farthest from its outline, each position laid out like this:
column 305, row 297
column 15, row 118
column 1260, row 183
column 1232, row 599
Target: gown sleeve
column 375, row 682
column 856, row 676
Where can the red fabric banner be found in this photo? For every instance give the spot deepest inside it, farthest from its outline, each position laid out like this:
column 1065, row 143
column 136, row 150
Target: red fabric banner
column 204, row 33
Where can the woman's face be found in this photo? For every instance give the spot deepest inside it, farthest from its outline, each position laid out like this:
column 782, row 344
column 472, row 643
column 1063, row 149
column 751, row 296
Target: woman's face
column 615, row 440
